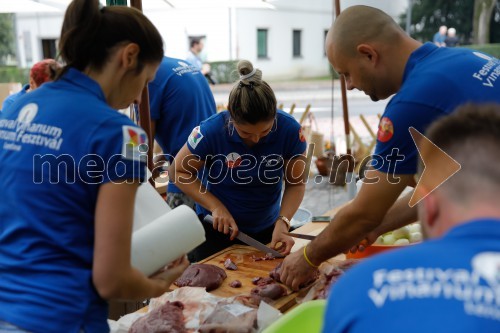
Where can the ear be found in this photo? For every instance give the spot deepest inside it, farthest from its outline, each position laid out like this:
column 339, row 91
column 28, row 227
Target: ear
column 430, row 212
column 368, row 52
column 32, row 84
column 130, row 56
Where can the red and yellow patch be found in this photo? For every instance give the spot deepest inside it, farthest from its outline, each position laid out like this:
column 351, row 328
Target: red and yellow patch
column 302, row 138
column 385, row 130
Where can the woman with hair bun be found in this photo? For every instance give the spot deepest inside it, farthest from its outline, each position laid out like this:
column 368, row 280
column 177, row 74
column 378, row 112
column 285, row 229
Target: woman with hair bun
column 234, row 164
column 70, row 167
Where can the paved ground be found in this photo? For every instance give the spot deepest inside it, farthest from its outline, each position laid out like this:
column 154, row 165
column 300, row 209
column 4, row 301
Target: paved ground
column 322, row 95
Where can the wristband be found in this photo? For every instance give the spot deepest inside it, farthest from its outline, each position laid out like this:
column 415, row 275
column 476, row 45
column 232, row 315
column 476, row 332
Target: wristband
column 286, row 220
column 307, row 259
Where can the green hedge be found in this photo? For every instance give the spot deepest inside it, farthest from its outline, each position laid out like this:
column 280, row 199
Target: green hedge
column 224, row 71
column 14, row 74
column 491, row 49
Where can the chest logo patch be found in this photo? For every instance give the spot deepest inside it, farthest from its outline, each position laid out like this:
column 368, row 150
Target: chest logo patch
column 233, row 160
column 302, row 138
column 195, row 137
column 385, row 130
column 134, row 143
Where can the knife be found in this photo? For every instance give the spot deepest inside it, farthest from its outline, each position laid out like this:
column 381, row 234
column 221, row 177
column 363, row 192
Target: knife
column 303, row 236
column 248, row 240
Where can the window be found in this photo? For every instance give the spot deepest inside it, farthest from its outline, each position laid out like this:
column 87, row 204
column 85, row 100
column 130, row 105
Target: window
column 262, row 43
column 296, row 43
column 49, row 49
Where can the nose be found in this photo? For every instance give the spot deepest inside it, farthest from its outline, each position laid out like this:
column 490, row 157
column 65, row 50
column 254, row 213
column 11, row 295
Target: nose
column 348, row 84
column 255, row 138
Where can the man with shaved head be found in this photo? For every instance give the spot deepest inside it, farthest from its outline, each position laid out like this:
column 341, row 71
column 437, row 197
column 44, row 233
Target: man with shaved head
column 376, row 56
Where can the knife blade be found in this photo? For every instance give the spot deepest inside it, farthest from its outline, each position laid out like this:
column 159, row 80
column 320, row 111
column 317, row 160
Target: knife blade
column 303, row 236
column 248, row 240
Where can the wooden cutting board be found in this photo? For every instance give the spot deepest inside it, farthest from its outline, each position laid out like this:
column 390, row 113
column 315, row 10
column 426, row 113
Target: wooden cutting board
column 248, row 269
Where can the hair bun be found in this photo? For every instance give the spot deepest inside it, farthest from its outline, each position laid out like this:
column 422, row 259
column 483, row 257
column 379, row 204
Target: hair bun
column 249, row 74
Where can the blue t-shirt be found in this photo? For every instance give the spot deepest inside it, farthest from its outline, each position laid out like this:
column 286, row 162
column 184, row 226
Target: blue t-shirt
column 449, row 284
column 247, row 180
column 14, row 97
column 438, row 38
column 436, row 81
column 180, row 99
column 58, row 145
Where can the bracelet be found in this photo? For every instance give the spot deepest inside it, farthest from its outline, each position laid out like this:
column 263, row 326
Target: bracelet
column 307, row 259
column 286, row 220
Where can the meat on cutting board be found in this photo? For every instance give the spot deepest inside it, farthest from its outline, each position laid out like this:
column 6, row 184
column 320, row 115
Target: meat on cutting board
column 272, row 291
column 235, row 284
column 202, row 275
column 230, row 265
column 166, row 318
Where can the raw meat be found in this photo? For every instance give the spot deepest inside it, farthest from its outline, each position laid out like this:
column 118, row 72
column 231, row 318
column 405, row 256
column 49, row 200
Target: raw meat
column 272, row 291
column 230, row 265
column 202, row 275
column 165, row 319
column 268, row 256
column 322, row 288
column 235, row 284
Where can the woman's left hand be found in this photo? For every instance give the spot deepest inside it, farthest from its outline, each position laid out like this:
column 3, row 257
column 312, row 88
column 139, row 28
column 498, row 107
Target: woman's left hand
column 279, row 236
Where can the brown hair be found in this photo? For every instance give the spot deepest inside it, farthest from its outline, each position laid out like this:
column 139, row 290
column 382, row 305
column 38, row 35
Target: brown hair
column 251, row 100
column 471, row 136
column 89, row 34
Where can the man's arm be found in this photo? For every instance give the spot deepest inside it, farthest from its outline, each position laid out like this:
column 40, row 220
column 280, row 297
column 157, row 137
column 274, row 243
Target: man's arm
column 350, row 225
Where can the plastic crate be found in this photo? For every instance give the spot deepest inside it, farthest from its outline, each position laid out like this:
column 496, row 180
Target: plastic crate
column 307, row 317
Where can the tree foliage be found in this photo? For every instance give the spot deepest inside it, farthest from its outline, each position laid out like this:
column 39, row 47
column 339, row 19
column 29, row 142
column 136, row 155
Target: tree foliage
column 428, row 15
column 7, row 46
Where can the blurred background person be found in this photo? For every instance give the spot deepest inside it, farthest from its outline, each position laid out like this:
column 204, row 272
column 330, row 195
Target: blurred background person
column 41, row 72
column 440, row 36
column 180, row 99
column 196, row 46
column 451, row 39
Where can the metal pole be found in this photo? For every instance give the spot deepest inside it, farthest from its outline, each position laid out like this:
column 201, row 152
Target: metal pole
column 144, row 113
column 408, row 17
column 350, row 179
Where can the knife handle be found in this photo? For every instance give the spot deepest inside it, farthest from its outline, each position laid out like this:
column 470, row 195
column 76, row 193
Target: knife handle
column 208, row 219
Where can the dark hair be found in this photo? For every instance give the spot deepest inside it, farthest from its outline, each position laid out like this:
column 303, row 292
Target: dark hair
column 195, row 41
column 251, row 100
column 89, row 34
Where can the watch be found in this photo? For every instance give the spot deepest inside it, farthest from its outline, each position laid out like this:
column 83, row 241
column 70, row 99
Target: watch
column 285, row 219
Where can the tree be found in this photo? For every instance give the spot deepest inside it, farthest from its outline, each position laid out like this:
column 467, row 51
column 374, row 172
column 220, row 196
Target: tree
column 482, row 17
column 428, row 15
column 6, row 37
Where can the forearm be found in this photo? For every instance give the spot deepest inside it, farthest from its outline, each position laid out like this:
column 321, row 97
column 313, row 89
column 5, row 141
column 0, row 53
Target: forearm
column 399, row 215
column 133, row 285
column 345, row 230
column 292, row 198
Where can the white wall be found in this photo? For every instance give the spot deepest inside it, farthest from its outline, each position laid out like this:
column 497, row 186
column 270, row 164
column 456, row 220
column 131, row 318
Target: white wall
column 40, row 26
column 176, row 25
column 280, row 23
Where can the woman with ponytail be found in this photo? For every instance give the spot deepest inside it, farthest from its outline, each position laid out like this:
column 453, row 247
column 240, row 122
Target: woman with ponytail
column 70, row 166
column 243, row 156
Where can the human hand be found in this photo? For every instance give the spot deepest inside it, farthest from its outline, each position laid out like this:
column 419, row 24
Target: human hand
column 172, row 271
column 224, row 222
column 295, row 270
column 279, row 236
